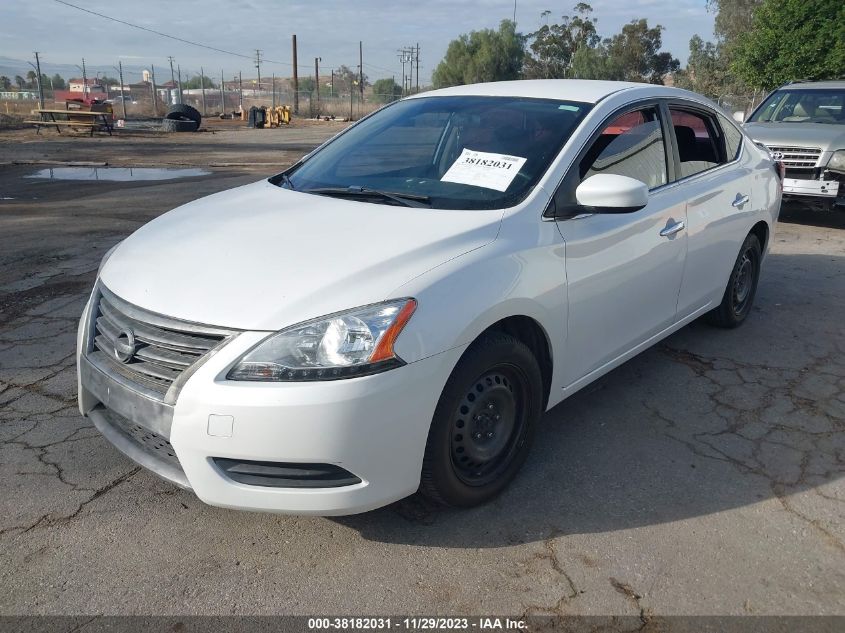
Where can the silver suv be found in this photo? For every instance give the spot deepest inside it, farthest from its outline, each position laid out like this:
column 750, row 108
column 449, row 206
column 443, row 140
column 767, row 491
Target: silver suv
column 803, row 126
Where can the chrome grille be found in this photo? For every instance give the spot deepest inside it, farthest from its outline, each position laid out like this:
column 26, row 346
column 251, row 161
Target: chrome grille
column 806, row 157
column 146, row 349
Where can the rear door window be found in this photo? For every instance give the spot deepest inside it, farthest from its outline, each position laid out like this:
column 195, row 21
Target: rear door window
column 700, row 141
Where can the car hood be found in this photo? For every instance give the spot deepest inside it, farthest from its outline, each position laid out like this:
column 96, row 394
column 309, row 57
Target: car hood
column 260, row 257
column 826, row 136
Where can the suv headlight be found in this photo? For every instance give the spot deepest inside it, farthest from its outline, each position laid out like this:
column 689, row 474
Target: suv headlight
column 837, row 161
column 344, row 345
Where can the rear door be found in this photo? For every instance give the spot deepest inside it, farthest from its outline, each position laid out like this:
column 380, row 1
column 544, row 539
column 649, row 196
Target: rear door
column 623, row 270
column 718, row 188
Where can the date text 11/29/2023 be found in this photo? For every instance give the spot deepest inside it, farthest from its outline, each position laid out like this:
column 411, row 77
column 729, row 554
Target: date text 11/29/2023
column 416, row 624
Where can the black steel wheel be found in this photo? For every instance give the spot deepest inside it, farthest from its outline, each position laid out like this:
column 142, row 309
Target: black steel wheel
column 484, row 422
column 738, row 298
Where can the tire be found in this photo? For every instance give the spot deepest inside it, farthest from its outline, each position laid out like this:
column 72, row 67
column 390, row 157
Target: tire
column 742, row 287
column 180, row 125
column 187, row 112
column 484, row 422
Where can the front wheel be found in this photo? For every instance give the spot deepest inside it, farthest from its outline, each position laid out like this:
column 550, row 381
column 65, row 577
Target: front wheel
column 742, row 286
column 484, row 422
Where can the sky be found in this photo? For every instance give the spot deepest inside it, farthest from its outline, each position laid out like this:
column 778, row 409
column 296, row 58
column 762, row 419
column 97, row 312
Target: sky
column 329, row 29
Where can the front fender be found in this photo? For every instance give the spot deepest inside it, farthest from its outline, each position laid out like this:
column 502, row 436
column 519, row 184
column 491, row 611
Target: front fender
column 462, row 298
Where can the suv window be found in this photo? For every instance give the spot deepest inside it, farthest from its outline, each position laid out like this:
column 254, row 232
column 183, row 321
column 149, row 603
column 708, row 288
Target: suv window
column 699, row 142
column 630, row 145
column 802, row 105
column 733, row 138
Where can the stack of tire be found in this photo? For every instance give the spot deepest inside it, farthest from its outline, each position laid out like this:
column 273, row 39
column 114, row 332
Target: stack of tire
column 181, row 118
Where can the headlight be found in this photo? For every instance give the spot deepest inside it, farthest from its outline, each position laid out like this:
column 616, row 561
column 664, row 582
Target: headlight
column 344, row 345
column 837, row 161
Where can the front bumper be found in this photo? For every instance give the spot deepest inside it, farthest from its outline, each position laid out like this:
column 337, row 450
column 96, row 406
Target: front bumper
column 374, row 427
column 828, row 191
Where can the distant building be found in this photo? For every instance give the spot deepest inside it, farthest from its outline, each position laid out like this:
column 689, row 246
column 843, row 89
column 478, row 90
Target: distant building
column 91, row 87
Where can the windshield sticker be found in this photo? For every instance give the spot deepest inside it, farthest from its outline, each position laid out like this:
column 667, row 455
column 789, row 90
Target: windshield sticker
column 482, row 169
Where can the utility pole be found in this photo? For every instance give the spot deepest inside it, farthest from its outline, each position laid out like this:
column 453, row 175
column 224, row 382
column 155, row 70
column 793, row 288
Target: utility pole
column 418, row 66
column 317, row 61
column 258, row 67
column 240, row 91
column 222, row 94
column 40, row 87
column 122, row 96
column 153, row 86
column 84, row 80
column 295, row 80
column 172, row 75
column 274, row 90
column 179, row 75
column 332, row 92
column 361, row 71
column 202, row 86
column 403, row 60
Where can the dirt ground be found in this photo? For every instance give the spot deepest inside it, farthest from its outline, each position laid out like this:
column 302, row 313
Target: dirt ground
column 704, row 476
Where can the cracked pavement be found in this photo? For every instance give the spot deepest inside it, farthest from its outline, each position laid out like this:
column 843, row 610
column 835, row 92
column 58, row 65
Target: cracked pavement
column 704, row 476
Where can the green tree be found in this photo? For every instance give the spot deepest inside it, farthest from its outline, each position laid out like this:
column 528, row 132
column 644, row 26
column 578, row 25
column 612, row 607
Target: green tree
column 481, row 56
column 31, row 80
column 345, row 79
column 793, row 39
column 553, row 46
column 109, row 81
column 708, row 68
column 386, row 90
column 636, row 50
column 705, row 72
column 20, row 82
column 596, row 63
column 733, row 22
column 5, row 82
column 194, row 83
column 59, row 82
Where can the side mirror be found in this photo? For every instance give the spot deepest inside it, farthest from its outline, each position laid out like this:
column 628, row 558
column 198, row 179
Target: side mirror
column 610, row 193
column 739, row 117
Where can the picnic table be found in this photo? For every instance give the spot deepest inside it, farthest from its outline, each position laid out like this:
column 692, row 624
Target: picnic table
column 72, row 118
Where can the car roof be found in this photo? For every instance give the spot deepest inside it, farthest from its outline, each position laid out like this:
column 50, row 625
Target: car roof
column 815, row 85
column 583, row 90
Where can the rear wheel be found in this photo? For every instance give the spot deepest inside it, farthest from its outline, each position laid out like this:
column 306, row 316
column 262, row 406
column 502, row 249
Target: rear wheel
column 484, row 422
column 742, row 286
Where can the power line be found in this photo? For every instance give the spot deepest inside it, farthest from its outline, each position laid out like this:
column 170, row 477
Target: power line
column 180, row 39
column 143, row 28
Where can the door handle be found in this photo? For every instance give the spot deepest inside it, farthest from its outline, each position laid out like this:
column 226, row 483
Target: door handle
column 740, row 200
column 669, row 231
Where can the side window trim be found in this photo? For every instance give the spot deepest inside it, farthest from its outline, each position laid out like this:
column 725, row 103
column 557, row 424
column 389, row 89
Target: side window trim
column 671, row 168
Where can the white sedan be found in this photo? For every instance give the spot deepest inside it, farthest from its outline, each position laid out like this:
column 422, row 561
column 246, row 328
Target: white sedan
column 396, row 311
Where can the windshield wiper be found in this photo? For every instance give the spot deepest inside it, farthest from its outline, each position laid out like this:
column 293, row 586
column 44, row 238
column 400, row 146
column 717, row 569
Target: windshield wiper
column 405, row 199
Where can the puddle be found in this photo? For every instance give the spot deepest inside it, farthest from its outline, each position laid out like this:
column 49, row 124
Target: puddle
column 117, row 174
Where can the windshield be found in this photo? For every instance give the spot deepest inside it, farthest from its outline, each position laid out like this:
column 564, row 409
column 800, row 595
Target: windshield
column 462, row 152
column 803, row 106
